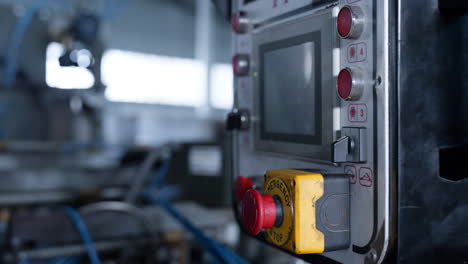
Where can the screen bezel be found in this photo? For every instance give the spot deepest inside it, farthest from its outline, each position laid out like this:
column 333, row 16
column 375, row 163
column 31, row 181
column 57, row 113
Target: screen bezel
column 315, row 139
column 321, row 23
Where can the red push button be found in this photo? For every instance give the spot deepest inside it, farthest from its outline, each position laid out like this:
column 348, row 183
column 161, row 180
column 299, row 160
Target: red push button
column 344, row 22
column 349, row 84
column 258, row 211
column 344, row 84
column 239, row 23
column 240, row 64
column 350, row 22
column 241, row 186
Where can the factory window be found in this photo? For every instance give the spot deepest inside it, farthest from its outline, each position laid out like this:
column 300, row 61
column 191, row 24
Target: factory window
column 71, row 77
column 146, row 78
column 221, row 86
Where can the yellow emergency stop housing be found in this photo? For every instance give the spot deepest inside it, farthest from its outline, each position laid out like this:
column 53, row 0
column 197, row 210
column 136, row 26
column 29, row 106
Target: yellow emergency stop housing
column 315, row 210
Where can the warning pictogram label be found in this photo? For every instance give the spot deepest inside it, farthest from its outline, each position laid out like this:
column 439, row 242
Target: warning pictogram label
column 365, row 177
column 351, row 171
column 357, row 113
column 357, row 52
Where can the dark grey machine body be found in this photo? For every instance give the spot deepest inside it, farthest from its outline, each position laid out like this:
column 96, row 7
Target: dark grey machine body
column 432, row 132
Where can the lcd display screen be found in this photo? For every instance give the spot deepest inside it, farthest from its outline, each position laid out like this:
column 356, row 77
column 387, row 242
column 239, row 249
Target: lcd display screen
column 290, row 89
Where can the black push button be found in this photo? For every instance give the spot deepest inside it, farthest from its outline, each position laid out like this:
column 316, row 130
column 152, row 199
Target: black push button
column 238, row 120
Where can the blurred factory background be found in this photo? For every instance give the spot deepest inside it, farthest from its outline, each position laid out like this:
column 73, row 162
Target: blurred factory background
column 115, row 109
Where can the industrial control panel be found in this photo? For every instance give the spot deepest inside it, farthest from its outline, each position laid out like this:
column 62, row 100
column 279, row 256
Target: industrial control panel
column 310, row 126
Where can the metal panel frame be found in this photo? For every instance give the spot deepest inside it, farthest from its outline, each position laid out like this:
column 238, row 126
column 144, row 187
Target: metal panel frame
column 380, row 96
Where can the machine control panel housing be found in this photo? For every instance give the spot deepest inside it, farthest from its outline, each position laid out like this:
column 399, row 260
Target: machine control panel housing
column 300, row 108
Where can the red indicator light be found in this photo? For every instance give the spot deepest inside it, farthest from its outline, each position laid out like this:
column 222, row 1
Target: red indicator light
column 350, row 84
column 258, row 211
column 350, row 22
column 344, row 84
column 240, row 64
column 235, row 64
column 239, row 23
column 235, row 22
column 344, row 22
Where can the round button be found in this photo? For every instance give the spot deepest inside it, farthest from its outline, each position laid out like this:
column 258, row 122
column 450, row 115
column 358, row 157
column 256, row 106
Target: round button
column 238, row 119
column 350, row 22
column 344, row 83
column 239, row 23
column 349, row 84
column 240, row 64
column 258, row 211
column 241, row 186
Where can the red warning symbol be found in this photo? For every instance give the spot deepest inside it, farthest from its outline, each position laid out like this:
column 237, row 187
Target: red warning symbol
column 351, row 171
column 365, row 177
column 352, row 53
column 362, row 55
column 352, row 113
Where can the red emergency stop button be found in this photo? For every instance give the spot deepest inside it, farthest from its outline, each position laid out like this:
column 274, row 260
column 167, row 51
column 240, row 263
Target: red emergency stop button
column 241, row 186
column 349, row 84
column 258, row 211
column 350, row 22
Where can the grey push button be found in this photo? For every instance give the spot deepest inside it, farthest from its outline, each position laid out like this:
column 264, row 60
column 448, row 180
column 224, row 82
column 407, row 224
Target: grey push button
column 351, row 147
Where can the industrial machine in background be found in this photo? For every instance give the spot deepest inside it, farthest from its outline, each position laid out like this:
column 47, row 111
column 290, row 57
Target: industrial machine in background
column 77, row 185
column 349, row 128
column 118, row 191
column 202, row 170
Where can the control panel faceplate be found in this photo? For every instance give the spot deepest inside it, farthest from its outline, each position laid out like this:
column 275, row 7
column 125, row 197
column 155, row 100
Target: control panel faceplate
column 357, row 129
